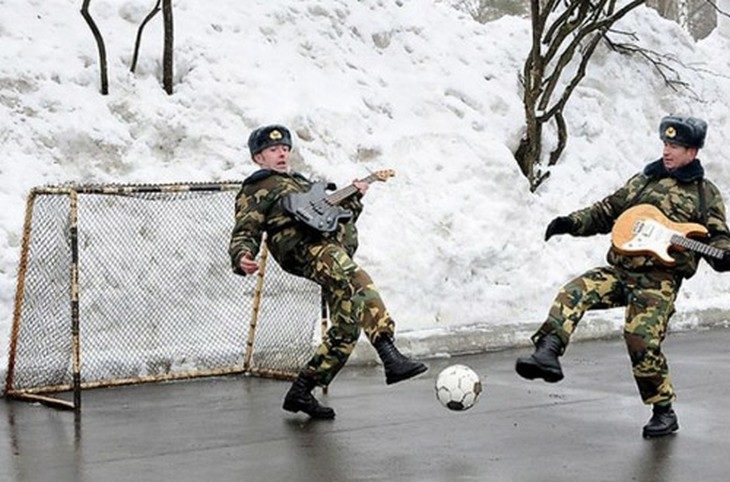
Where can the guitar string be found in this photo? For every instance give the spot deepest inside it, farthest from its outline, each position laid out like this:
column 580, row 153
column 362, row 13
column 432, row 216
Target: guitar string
column 697, row 246
column 321, row 203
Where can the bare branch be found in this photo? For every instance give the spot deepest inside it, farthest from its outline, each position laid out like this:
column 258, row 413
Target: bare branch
column 562, row 138
column 580, row 73
column 660, row 62
column 623, row 32
column 99, row 44
column 149, row 16
column 540, row 177
column 563, row 19
column 569, row 51
column 581, row 24
column 588, row 25
column 549, row 6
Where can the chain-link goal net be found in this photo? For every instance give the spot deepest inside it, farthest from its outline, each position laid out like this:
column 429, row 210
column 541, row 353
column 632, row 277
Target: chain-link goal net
column 157, row 298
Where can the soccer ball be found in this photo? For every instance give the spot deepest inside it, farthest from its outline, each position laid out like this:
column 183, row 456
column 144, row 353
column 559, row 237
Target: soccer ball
column 458, row 387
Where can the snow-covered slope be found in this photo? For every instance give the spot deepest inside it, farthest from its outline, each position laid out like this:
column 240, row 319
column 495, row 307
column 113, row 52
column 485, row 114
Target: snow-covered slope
column 456, row 238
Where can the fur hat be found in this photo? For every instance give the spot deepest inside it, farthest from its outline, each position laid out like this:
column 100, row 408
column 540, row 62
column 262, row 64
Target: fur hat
column 685, row 131
column 268, row 136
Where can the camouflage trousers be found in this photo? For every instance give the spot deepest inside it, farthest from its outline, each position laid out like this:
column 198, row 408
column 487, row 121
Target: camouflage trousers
column 353, row 302
column 649, row 301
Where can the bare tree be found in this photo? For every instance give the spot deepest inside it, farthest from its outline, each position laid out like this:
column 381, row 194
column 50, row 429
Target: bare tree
column 561, row 31
column 168, row 49
column 99, row 44
column 137, row 43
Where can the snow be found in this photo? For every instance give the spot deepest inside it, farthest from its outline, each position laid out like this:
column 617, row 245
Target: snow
column 455, row 239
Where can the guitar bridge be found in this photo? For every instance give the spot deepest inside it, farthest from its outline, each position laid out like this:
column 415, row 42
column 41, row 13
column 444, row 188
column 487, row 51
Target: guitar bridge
column 643, row 229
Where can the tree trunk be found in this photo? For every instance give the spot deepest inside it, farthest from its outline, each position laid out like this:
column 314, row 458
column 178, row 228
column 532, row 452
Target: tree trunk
column 168, row 49
column 99, row 44
column 528, row 152
column 528, row 156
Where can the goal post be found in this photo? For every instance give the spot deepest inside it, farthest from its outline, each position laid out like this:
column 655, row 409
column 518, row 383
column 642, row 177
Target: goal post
column 126, row 284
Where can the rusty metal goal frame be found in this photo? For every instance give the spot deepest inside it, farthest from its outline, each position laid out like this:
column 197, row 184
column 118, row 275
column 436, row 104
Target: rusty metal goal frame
column 288, row 292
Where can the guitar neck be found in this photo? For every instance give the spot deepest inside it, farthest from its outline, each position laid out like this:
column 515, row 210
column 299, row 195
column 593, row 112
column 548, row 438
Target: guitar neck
column 693, row 245
column 339, row 196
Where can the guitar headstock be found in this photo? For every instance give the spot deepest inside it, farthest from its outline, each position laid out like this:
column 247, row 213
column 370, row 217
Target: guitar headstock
column 384, row 174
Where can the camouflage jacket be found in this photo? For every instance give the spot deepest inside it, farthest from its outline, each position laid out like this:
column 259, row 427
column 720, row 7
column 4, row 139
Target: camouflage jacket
column 677, row 195
column 259, row 210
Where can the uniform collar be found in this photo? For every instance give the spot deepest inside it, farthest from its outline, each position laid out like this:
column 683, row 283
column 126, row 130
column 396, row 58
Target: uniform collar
column 264, row 173
column 691, row 172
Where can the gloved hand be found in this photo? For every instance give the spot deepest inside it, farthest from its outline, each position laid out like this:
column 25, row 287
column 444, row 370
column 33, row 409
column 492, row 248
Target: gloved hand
column 559, row 225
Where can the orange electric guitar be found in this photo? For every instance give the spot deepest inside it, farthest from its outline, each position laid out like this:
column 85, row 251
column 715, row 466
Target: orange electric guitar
column 644, row 229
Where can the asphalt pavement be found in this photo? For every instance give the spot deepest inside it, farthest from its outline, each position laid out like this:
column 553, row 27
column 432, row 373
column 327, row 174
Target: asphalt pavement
column 585, row 428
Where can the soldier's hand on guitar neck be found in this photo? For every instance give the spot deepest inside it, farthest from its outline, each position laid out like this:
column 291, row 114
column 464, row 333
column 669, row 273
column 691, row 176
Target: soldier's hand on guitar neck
column 247, row 264
column 559, row 225
column 361, row 186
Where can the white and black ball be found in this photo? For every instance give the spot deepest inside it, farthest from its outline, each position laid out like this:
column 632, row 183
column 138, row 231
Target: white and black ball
column 458, row 387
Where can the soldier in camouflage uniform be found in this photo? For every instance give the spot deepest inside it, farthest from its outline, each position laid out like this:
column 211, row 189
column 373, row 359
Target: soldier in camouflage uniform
column 354, row 302
column 677, row 186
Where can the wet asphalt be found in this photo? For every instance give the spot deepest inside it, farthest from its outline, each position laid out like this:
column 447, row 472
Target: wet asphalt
column 585, row 428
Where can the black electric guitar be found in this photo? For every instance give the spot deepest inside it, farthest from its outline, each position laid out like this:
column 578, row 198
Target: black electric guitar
column 319, row 210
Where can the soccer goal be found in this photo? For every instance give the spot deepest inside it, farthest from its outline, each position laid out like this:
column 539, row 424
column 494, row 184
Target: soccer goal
column 125, row 284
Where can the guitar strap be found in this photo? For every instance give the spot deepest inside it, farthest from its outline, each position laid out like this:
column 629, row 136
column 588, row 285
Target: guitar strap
column 703, row 202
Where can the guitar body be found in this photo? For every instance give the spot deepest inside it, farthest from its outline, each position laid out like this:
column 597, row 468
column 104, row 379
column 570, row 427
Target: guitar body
column 645, row 230
column 313, row 209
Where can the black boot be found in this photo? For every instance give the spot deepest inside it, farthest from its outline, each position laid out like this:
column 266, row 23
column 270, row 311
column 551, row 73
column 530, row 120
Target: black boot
column 544, row 362
column 300, row 398
column 663, row 422
column 397, row 366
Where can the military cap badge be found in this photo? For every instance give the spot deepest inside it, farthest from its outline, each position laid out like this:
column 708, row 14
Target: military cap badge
column 275, row 135
column 670, row 132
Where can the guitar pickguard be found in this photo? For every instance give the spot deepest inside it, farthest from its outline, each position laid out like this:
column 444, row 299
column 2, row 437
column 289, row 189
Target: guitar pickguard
column 649, row 236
